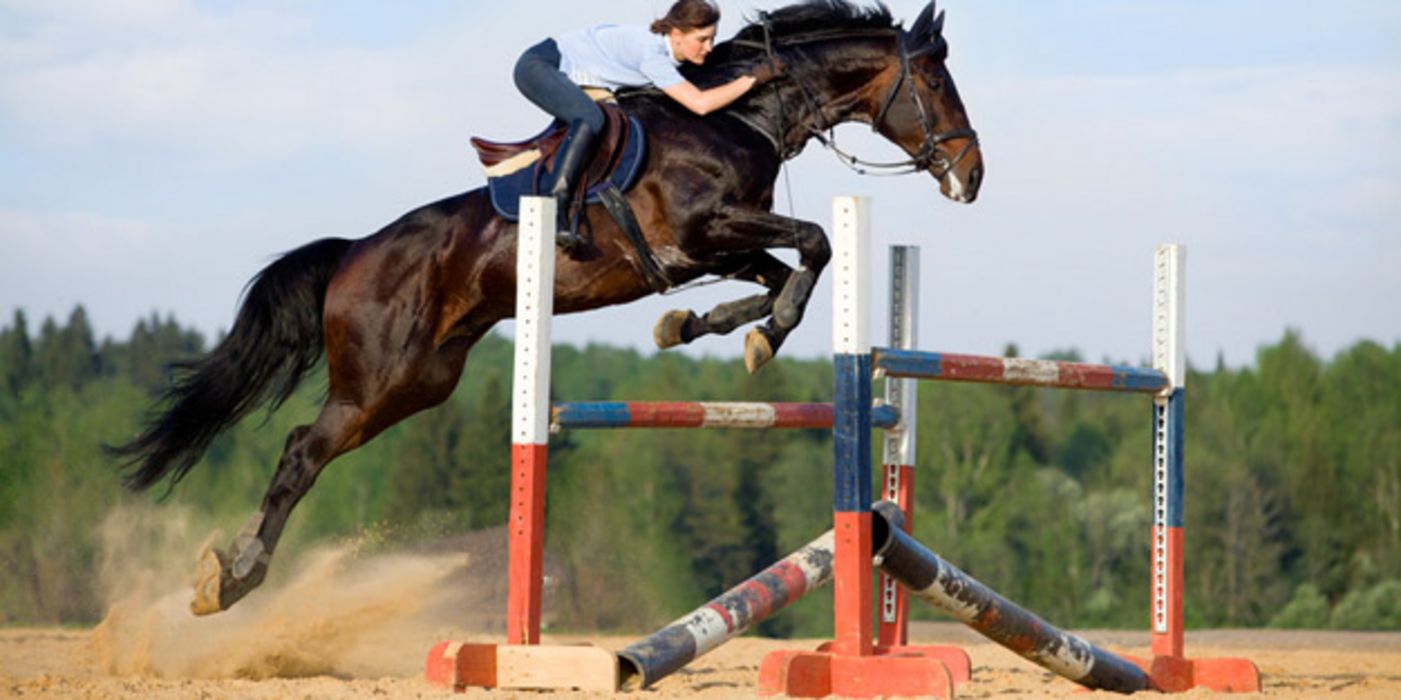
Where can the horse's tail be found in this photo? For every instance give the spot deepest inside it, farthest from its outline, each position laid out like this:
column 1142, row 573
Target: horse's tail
column 276, row 338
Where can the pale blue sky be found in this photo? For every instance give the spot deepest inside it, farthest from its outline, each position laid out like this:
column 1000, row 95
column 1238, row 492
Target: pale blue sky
column 155, row 154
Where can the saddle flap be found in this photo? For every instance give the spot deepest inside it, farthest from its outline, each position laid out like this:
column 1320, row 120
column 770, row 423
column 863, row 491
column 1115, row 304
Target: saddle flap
column 493, row 153
column 500, row 159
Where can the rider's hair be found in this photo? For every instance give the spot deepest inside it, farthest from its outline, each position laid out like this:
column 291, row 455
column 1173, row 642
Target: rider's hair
column 687, row 15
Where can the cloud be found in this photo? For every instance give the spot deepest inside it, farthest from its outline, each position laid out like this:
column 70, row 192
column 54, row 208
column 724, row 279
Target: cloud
column 235, row 85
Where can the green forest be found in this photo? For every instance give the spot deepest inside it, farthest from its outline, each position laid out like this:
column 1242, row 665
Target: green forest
column 1293, row 482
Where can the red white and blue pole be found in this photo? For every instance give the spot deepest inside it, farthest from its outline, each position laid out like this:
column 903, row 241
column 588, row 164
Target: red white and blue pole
column 572, row 415
column 727, row 616
column 1019, row 371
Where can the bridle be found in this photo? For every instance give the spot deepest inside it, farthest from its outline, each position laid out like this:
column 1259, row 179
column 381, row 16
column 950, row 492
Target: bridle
column 929, row 155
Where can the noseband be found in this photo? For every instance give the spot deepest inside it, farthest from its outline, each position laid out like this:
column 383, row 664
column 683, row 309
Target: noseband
column 929, row 155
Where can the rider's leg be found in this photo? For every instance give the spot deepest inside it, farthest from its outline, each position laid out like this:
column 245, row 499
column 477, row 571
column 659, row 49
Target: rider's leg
column 538, row 77
column 573, row 158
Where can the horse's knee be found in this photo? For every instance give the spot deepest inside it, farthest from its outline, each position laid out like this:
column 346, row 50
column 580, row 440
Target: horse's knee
column 813, row 247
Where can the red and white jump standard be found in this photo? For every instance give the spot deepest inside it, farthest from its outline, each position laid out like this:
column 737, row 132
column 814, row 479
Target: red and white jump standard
column 523, row 662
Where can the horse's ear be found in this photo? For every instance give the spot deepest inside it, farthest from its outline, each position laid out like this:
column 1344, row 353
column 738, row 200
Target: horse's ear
column 938, row 29
column 922, row 29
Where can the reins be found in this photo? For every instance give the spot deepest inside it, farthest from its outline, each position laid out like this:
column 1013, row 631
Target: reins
column 928, row 156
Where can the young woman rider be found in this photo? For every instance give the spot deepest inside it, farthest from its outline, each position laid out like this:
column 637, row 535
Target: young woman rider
column 553, row 73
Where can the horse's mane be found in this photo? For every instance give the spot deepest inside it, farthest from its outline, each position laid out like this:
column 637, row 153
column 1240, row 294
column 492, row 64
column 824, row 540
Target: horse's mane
column 828, row 17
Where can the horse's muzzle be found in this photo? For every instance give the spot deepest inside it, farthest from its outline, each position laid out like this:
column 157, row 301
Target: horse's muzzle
column 961, row 184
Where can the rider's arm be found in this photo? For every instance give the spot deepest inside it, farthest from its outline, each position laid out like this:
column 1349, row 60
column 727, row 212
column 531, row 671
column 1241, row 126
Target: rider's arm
column 703, row 102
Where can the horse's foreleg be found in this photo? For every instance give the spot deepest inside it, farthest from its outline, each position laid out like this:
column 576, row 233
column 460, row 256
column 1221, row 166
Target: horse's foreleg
column 738, row 225
column 677, row 327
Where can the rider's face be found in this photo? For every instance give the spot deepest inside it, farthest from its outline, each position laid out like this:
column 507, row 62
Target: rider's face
column 693, row 44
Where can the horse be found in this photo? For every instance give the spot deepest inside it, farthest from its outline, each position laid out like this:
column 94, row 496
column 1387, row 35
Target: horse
column 396, row 313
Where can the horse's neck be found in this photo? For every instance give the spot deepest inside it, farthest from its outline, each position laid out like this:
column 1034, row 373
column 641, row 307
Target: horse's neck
column 812, row 105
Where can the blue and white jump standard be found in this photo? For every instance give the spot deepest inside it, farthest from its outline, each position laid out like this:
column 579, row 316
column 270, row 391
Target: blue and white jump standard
column 852, row 665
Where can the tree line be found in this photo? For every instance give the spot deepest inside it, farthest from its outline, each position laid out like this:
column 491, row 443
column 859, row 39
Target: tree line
column 1293, row 482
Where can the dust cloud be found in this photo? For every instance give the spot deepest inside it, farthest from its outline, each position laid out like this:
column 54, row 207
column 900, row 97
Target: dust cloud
column 333, row 611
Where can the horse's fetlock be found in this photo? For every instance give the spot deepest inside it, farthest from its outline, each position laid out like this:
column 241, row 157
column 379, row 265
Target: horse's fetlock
column 252, row 555
column 787, row 315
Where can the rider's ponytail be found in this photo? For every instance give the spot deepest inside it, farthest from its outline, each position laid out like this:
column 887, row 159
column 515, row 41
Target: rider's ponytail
column 687, row 15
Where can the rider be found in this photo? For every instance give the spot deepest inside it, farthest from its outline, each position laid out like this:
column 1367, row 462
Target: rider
column 551, row 75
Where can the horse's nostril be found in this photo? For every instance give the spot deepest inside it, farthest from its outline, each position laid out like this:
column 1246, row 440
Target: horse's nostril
column 975, row 178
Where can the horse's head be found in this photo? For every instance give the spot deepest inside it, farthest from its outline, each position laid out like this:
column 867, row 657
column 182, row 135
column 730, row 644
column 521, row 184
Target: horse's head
column 850, row 62
column 917, row 107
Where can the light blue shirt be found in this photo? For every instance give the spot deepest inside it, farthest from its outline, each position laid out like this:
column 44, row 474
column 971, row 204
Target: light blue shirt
column 614, row 56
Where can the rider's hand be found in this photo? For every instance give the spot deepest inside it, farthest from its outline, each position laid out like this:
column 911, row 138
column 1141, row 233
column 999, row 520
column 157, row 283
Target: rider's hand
column 767, row 69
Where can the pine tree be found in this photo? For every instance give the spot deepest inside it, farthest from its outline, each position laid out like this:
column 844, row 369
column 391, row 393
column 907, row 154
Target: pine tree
column 16, row 355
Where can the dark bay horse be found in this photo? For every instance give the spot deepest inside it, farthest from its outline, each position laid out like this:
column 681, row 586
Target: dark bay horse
column 397, row 312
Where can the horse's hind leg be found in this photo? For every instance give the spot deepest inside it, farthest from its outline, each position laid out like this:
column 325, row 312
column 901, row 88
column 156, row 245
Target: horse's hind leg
column 678, row 327
column 358, row 409
column 222, row 579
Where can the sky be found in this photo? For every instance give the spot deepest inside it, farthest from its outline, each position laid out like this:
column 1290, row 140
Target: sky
column 155, row 154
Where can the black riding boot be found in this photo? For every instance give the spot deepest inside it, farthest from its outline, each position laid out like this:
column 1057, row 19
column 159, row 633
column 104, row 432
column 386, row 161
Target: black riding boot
column 570, row 162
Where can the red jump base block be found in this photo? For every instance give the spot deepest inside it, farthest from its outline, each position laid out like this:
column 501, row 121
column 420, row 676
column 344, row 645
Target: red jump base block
column 460, row 665
column 814, row 674
column 1175, row 674
column 457, row 665
column 955, row 659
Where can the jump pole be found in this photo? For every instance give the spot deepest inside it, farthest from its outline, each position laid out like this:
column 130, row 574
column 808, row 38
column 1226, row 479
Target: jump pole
column 944, row 585
column 574, row 415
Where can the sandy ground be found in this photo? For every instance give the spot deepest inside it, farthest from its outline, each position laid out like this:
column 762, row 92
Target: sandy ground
column 337, row 623
column 66, row 663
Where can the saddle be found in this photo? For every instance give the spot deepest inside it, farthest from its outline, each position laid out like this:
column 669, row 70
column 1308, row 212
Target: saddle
column 525, row 167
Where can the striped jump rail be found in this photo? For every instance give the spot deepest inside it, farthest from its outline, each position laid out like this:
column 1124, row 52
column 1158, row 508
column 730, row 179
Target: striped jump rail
column 1017, row 371
column 704, row 414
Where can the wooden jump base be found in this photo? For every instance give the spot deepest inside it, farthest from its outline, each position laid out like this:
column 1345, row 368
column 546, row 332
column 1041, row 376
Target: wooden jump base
column 851, row 664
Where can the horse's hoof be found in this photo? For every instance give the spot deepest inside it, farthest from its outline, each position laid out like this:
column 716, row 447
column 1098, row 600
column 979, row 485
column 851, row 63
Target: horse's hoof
column 209, row 575
column 669, row 331
column 224, row 579
column 757, row 350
